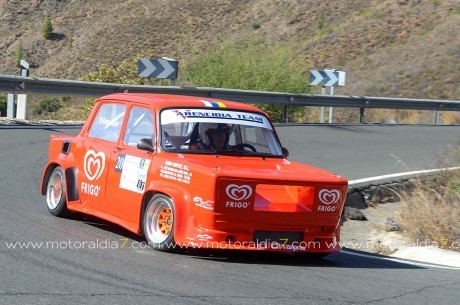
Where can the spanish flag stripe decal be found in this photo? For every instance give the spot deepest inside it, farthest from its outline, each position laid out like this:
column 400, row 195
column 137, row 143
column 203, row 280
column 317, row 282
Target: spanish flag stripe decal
column 213, row 104
column 207, row 104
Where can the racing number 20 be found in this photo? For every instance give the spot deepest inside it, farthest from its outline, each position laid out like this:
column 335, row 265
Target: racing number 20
column 119, row 163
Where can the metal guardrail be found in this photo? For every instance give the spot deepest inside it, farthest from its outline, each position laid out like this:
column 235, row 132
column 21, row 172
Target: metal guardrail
column 18, row 84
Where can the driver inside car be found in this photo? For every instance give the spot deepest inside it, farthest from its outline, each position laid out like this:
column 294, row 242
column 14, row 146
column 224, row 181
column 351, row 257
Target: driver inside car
column 213, row 137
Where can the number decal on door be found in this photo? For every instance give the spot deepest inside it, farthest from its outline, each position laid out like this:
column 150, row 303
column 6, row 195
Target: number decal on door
column 119, row 163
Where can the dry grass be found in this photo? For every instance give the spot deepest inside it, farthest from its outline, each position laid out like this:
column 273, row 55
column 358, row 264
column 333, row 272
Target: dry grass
column 431, row 213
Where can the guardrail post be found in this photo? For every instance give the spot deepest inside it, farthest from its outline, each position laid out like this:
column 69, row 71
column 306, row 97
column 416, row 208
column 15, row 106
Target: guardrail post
column 286, row 114
column 331, row 109
column 321, row 118
column 436, row 117
column 362, row 113
column 21, row 107
column 10, row 106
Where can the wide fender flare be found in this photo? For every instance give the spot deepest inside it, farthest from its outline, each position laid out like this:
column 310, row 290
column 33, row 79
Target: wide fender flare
column 183, row 213
column 70, row 173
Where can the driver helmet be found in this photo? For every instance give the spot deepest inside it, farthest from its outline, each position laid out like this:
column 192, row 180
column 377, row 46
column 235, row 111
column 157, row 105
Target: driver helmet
column 207, row 131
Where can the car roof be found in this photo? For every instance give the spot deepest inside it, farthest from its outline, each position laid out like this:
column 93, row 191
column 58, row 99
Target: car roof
column 161, row 101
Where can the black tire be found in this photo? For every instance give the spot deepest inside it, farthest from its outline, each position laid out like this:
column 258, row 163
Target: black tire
column 158, row 223
column 56, row 193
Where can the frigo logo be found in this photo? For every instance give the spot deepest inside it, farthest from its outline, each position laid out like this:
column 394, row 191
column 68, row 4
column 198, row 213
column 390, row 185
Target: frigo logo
column 94, row 164
column 238, row 192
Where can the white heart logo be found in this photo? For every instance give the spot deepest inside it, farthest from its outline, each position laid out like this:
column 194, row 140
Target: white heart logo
column 93, row 164
column 329, row 196
column 238, row 192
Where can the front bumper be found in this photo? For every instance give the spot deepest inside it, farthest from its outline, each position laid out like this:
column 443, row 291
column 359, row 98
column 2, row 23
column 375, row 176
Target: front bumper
column 264, row 240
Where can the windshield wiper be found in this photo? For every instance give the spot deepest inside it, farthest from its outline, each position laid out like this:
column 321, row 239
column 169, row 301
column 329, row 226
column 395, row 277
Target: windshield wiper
column 243, row 153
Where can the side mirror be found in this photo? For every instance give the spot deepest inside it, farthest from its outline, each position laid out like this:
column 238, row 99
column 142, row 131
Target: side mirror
column 145, row 144
column 285, row 152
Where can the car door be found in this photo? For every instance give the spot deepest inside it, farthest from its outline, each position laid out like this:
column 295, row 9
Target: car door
column 129, row 166
column 95, row 150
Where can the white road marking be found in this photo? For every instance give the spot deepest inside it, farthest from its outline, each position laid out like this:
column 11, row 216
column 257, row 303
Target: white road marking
column 399, row 175
column 401, row 261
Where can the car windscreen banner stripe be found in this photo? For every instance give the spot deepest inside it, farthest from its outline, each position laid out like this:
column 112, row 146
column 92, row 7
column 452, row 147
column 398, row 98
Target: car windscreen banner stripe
column 169, row 116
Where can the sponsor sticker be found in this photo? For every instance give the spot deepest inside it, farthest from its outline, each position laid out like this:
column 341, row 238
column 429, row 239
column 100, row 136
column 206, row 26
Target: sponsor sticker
column 213, row 115
column 108, row 123
column 204, row 237
column 239, row 195
column 176, row 171
column 208, row 204
column 133, row 172
column 93, row 167
column 329, row 200
column 93, row 164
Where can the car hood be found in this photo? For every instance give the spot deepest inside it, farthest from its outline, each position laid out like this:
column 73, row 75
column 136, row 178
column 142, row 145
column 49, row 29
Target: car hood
column 262, row 168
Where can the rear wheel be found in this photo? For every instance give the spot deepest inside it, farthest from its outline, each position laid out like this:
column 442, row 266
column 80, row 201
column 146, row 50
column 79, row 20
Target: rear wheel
column 158, row 223
column 56, row 193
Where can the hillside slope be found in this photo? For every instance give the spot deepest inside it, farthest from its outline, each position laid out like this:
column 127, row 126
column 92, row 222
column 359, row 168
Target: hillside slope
column 405, row 48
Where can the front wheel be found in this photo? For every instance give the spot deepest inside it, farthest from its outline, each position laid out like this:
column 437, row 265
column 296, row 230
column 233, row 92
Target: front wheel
column 56, row 193
column 158, row 223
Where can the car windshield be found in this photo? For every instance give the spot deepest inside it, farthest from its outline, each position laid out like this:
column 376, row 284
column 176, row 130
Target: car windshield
column 211, row 131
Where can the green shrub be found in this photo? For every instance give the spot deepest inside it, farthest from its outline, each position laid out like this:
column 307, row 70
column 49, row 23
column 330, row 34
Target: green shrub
column 47, row 28
column 251, row 66
column 319, row 21
column 425, row 29
column 457, row 9
column 69, row 43
column 255, row 25
column 19, row 54
column 287, row 13
column 124, row 73
column 37, row 110
column 3, row 105
column 49, row 105
column 247, row 65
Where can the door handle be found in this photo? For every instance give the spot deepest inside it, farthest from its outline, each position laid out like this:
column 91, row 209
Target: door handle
column 118, row 148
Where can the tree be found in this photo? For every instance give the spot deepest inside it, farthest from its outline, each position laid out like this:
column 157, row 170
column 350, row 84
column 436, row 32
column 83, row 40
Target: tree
column 48, row 105
column 19, row 53
column 47, row 28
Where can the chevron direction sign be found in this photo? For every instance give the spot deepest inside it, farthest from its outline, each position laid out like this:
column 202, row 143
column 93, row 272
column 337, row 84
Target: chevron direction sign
column 328, row 78
column 157, row 68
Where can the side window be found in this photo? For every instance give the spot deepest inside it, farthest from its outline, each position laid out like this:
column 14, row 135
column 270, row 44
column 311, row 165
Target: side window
column 140, row 126
column 108, row 122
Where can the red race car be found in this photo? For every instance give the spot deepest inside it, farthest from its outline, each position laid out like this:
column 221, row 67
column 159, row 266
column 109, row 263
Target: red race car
column 193, row 172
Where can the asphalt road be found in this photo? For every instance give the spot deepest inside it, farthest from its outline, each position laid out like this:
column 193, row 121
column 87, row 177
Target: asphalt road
column 80, row 273
column 357, row 151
